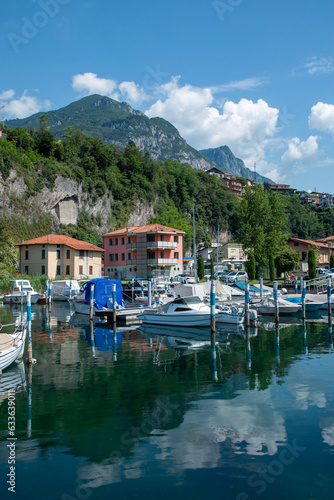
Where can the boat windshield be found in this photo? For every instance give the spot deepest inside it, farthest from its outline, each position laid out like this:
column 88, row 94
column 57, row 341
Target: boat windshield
column 192, row 300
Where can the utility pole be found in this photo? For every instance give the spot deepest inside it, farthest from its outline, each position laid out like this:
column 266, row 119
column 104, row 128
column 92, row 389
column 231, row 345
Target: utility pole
column 194, row 244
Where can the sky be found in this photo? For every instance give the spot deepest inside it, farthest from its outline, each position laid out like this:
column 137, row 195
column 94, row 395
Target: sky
column 255, row 75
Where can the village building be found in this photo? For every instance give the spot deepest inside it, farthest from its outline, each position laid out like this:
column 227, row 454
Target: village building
column 145, row 251
column 57, row 256
column 323, row 251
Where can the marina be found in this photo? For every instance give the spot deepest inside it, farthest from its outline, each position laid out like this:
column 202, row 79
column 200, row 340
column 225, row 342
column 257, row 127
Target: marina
column 147, row 410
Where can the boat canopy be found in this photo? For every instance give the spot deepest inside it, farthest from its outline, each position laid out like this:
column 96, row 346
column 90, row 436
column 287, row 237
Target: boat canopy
column 103, row 292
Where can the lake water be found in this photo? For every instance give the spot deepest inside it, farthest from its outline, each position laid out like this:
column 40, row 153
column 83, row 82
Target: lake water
column 134, row 414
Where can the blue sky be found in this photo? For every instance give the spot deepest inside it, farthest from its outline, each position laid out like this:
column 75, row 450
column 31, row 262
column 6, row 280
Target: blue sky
column 256, row 75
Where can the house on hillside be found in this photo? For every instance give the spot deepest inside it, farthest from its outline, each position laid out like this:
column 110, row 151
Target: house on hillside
column 60, row 256
column 323, row 251
column 144, row 252
column 227, row 251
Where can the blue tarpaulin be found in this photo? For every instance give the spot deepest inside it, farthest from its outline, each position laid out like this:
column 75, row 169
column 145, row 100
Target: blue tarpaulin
column 103, row 292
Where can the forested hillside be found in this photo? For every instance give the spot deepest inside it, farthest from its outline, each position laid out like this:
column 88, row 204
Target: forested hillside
column 126, row 175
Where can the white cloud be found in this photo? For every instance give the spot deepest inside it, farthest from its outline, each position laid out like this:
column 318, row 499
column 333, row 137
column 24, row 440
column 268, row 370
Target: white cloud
column 132, row 92
column 245, row 126
column 7, row 94
column 23, row 106
column 90, row 83
column 322, row 117
column 246, row 84
column 300, row 153
column 319, row 65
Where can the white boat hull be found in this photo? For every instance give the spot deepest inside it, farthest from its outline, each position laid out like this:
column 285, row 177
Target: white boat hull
column 11, row 354
column 16, row 298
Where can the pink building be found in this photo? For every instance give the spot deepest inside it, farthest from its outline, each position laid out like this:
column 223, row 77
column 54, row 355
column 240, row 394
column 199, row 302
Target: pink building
column 143, row 252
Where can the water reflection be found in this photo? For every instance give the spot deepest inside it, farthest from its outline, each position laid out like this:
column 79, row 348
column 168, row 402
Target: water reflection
column 142, row 408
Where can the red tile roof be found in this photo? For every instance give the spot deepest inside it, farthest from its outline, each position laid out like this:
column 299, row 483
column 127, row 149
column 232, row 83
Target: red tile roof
column 155, row 228
column 310, row 242
column 58, row 239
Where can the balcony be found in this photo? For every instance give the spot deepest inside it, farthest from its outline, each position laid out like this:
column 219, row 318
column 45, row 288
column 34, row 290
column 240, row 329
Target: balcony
column 162, row 244
column 131, row 262
column 162, row 262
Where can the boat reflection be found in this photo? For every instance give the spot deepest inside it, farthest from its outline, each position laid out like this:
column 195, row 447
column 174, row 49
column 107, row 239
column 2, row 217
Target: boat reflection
column 13, row 378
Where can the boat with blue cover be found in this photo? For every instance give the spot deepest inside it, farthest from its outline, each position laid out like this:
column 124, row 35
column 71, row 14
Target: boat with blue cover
column 102, row 296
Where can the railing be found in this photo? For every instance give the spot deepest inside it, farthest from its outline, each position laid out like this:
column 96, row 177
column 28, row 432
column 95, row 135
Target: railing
column 161, row 262
column 131, row 262
column 318, row 285
column 161, row 244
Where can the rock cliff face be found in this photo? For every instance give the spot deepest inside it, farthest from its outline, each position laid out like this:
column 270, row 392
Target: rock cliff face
column 65, row 201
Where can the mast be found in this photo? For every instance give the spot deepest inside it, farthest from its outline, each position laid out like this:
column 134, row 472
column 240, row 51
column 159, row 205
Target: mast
column 194, row 244
column 218, row 249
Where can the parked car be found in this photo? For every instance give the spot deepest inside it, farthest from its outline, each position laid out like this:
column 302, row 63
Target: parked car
column 234, row 276
column 321, row 273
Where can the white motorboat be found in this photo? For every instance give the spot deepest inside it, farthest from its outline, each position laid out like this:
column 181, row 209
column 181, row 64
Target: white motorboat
column 64, row 289
column 20, row 289
column 11, row 347
column 188, row 311
column 267, row 306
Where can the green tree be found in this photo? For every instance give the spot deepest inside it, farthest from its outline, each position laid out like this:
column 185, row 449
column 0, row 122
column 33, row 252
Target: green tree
column 271, row 267
column 331, row 261
column 251, row 266
column 286, row 260
column 200, row 268
column 312, row 264
column 263, row 223
column 212, row 269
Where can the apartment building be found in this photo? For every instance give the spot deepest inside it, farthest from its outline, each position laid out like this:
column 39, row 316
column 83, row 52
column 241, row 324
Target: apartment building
column 57, row 255
column 143, row 252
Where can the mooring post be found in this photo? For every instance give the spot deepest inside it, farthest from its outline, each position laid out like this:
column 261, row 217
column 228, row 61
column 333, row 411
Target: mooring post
column 70, row 292
column 301, row 284
column 330, row 336
column 329, row 301
column 305, row 337
column 296, row 284
column 21, row 294
column 261, row 286
column 303, row 299
column 149, row 291
column 133, row 289
column 212, row 313
column 47, row 291
column 29, row 327
column 50, row 296
column 91, row 303
column 276, row 301
column 114, row 303
column 92, row 340
column 247, row 322
column 248, row 350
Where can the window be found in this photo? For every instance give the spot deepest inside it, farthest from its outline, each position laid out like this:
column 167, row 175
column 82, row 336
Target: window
column 68, row 270
column 176, row 239
column 123, row 256
column 58, row 254
column 151, row 255
column 122, row 241
column 116, row 241
column 116, row 257
column 296, row 244
column 162, row 255
column 81, row 253
column 129, row 239
column 150, row 237
column 42, row 269
column 111, row 257
column 68, row 254
column 80, row 269
column 26, row 269
column 176, row 255
column 304, row 255
column 111, row 242
column 43, row 255
column 129, row 256
column 58, row 271
column 90, row 269
column 161, row 237
column 26, row 255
